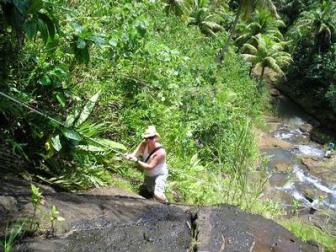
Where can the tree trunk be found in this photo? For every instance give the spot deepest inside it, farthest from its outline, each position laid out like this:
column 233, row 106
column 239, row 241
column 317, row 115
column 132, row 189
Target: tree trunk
column 220, row 57
column 261, row 78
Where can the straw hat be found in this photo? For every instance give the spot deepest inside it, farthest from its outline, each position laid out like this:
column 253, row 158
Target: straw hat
column 150, row 132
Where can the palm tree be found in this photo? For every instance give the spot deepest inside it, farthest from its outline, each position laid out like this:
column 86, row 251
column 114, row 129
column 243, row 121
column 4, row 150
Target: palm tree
column 175, row 6
column 263, row 52
column 321, row 23
column 246, row 7
column 263, row 22
column 200, row 17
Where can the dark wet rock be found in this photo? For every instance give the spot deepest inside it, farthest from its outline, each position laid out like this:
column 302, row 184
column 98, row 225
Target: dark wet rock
column 102, row 221
column 311, row 193
column 306, row 127
column 274, row 92
column 226, row 228
column 278, row 179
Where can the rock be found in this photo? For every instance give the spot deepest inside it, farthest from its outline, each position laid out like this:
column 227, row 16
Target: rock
column 102, row 222
column 226, row 228
column 268, row 141
column 279, row 179
column 306, row 127
column 282, row 166
column 310, row 163
column 274, row 92
column 7, row 203
column 8, row 207
column 278, row 196
column 324, row 169
column 311, row 193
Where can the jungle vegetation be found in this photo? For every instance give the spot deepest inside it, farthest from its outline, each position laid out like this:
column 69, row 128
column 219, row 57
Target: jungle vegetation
column 81, row 80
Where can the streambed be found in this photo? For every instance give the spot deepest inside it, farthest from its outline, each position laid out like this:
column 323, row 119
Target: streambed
column 301, row 176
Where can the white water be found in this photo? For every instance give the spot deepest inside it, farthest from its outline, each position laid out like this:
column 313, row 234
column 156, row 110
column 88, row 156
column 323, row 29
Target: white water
column 313, row 181
column 310, row 151
column 287, row 134
column 290, row 187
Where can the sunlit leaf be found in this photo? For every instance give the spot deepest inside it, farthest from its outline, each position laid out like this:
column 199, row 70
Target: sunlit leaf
column 71, row 134
column 87, row 109
column 90, row 148
column 56, row 143
column 110, row 144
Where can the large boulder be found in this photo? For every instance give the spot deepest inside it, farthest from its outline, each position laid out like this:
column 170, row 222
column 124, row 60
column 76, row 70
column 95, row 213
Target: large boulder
column 102, row 220
column 226, row 228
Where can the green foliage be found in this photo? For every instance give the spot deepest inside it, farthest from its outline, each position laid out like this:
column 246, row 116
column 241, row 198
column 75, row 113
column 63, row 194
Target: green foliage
column 200, row 16
column 331, row 96
column 15, row 230
column 175, row 6
column 31, row 16
column 312, row 46
column 309, row 232
column 143, row 70
column 263, row 52
column 36, row 196
column 36, row 200
column 262, row 22
column 54, row 217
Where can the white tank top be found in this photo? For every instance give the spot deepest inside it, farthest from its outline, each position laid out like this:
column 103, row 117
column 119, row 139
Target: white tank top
column 159, row 169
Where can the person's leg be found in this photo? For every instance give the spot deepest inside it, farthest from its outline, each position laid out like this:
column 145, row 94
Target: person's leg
column 146, row 190
column 159, row 189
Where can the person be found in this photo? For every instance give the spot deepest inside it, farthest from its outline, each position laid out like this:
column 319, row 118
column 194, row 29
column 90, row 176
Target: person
column 329, row 150
column 153, row 163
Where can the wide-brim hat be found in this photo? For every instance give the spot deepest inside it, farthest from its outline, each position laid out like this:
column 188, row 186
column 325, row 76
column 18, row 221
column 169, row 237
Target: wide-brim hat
column 150, row 132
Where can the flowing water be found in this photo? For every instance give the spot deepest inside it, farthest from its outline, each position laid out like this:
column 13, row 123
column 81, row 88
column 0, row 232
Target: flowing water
column 296, row 181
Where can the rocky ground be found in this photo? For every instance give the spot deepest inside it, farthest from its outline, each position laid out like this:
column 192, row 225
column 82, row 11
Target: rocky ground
column 302, row 180
column 113, row 220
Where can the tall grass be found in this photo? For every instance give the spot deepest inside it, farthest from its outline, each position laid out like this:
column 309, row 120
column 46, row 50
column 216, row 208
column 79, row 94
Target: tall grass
column 11, row 234
column 308, row 232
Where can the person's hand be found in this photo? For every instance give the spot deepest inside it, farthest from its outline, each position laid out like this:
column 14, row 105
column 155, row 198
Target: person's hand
column 130, row 157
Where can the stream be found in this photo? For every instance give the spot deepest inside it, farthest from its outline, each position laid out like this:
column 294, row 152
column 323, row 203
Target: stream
column 300, row 173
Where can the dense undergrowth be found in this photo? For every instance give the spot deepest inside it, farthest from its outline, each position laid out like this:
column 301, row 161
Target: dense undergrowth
column 150, row 67
column 105, row 70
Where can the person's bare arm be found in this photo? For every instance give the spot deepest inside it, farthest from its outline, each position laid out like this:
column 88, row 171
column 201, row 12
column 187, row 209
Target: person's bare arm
column 137, row 152
column 158, row 157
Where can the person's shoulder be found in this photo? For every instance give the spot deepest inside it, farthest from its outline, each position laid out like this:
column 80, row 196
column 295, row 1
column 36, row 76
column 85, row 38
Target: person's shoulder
column 162, row 151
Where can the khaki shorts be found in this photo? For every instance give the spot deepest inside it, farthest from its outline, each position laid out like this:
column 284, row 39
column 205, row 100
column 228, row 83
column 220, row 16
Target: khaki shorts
column 156, row 184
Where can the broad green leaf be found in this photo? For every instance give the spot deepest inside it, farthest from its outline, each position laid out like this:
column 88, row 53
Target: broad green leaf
column 42, row 28
column 71, row 118
column 45, row 81
column 61, row 98
column 35, row 6
column 30, row 27
column 49, row 24
column 90, row 148
column 71, row 134
column 87, row 109
column 107, row 143
column 56, row 143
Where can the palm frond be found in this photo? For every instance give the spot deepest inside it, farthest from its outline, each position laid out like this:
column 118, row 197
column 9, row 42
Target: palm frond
column 249, row 49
